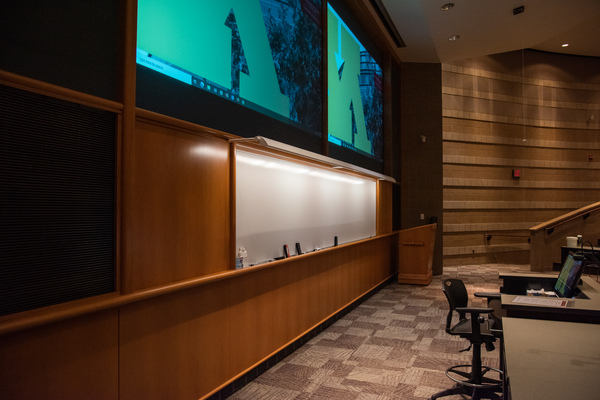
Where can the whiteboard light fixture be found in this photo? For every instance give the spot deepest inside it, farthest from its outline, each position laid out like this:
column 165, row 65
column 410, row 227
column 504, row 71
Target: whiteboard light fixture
column 273, row 144
column 250, row 160
column 285, row 167
column 337, row 177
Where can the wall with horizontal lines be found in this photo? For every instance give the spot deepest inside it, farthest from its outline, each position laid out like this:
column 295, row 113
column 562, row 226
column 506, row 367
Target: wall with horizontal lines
column 535, row 112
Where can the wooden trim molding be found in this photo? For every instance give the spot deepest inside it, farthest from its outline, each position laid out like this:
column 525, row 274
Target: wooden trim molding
column 181, row 125
column 48, row 89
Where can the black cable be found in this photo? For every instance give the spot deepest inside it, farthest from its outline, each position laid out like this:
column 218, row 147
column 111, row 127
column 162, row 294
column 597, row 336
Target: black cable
column 594, row 262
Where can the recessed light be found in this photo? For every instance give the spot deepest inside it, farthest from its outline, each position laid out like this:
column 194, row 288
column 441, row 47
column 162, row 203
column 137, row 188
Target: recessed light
column 565, row 45
column 453, row 38
column 447, row 6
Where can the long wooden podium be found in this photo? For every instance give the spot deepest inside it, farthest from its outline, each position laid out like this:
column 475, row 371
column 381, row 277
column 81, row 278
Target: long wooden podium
column 415, row 257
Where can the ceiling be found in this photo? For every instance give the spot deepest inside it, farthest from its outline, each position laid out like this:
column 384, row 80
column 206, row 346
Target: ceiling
column 489, row 27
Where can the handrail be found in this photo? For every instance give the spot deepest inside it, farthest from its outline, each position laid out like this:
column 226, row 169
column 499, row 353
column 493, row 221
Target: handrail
column 583, row 212
column 488, row 236
column 28, row 319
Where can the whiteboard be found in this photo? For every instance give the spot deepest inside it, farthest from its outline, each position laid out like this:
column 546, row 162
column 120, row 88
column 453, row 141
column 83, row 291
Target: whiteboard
column 280, row 202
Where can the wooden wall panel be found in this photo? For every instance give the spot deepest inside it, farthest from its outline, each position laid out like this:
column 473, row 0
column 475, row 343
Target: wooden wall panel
column 319, row 288
column 176, row 346
column 263, row 314
column 73, row 359
column 190, row 343
column 384, row 207
column 274, row 307
column 176, row 207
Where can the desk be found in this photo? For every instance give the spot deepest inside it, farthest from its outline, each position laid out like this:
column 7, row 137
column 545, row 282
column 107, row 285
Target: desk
column 551, row 359
column 578, row 310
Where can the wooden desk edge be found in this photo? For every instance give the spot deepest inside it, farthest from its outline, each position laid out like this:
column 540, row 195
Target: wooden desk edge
column 524, row 275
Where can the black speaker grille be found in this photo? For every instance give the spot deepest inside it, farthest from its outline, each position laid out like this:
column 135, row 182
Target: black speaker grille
column 57, row 201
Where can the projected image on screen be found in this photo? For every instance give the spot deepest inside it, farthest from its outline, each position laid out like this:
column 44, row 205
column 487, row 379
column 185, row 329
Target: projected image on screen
column 261, row 54
column 355, row 95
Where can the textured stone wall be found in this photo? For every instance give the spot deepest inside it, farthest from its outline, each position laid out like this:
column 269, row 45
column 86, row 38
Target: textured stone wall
column 535, row 112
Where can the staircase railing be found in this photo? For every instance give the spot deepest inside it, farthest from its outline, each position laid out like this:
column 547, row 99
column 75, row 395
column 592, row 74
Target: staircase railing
column 547, row 238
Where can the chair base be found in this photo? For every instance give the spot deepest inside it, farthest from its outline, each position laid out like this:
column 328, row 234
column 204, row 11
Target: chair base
column 476, row 393
column 487, row 388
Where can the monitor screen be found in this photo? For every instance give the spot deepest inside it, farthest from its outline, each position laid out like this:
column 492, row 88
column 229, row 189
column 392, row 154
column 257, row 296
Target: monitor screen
column 355, row 91
column 569, row 276
column 258, row 55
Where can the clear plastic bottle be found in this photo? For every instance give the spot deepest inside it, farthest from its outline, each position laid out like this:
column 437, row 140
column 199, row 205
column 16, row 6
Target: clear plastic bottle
column 242, row 257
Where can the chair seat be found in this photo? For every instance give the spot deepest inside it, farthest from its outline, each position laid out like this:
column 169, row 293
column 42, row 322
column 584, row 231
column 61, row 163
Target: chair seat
column 463, row 328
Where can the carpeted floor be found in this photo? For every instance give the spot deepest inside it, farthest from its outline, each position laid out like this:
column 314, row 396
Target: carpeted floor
column 392, row 346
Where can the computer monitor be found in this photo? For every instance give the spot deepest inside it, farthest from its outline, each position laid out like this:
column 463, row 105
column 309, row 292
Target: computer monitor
column 566, row 284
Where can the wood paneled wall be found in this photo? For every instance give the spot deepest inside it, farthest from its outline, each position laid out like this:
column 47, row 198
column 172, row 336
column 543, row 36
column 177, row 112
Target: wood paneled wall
column 384, row 207
column 176, row 205
column 530, row 111
column 75, row 358
column 184, row 323
column 187, row 344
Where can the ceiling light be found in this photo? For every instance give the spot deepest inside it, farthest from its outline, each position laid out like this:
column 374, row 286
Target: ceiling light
column 453, row 38
column 447, row 6
column 565, row 45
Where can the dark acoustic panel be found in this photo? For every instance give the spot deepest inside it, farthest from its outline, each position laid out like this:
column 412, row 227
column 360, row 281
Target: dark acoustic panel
column 69, row 43
column 57, row 201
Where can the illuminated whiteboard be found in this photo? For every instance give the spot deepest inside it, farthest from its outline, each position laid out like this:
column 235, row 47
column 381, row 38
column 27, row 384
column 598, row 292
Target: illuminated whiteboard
column 280, row 202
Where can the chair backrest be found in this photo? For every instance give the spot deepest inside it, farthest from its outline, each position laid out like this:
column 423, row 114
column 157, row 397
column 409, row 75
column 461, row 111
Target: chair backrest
column 457, row 296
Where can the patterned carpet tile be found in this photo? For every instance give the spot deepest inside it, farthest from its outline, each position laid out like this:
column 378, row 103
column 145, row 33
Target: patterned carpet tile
column 317, row 356
column 393, row 346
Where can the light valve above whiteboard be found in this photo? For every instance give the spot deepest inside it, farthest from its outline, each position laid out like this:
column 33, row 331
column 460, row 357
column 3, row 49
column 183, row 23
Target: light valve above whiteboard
column 309, row 155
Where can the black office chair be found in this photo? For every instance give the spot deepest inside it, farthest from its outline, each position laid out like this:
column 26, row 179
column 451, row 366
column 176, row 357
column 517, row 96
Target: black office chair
column 474, row 325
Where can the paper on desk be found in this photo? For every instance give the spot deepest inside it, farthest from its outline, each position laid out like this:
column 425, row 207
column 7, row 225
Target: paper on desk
column 542, row 301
